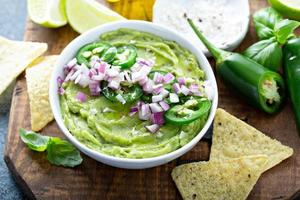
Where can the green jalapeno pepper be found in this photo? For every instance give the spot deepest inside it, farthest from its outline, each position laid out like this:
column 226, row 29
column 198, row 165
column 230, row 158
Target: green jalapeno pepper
column 260, row 86
column 188, row 112
column 109, row 55
column 129, row 94
column 291, row 66
column 87, row 51
column 126, row 56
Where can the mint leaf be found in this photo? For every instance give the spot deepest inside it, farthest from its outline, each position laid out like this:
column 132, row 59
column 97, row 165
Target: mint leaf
column 33, row 140
column 284, row 30
column 61, row 152
column 267, row 53
column 264, row 22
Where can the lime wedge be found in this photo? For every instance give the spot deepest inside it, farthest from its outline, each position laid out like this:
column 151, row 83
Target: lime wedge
column 48, row 13
column 288, row 8
column 86, row 14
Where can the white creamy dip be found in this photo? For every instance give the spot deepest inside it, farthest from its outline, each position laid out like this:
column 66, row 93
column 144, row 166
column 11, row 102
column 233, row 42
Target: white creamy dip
column 223, row 22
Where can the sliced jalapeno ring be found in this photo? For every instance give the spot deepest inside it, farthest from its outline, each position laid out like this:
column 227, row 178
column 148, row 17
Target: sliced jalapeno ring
column 109, row 55
column 130, row 94
column 126, row 56
column 188, row 112
column 85, row 53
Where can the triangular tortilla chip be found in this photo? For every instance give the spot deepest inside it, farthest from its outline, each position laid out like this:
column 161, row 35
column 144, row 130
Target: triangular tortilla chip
column 233, row 138
column 15, row 56
column 37, row 78
column 215, row 180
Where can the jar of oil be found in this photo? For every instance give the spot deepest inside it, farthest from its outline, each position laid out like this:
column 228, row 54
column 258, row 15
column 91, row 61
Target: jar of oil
column 133, row 9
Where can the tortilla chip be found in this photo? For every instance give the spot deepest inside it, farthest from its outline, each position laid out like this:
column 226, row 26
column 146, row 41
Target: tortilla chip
column 231, row 179
column 15, row 56
column 233, row 138
column 37, row 78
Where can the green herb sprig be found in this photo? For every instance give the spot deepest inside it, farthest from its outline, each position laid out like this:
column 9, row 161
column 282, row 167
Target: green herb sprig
column 59, row 152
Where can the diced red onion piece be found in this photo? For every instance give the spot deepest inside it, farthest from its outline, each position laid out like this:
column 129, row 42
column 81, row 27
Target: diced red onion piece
column 144, row 112
column 102, row 68
column 164, row 93
column 185, row 90
column 176, row 88
column 61, row 90
column 94, row 87
column 112, row 72
column 114, row 85
column 84, row 81
column 143, row 62
column 69, row 75
column 98, row 77
column 120, row 98
column 78, row 78
column 143, row 80
column 148, row 86
column 157, row 118
column 136, row 76
column 155, row 107
column 145, row 70
column 174, row 98
column 81, row 97
column 153, row 128
column 72, row 63
column 164, row 105
column 127, row 77
column 168, row 78
column 194, row 88
column 59, row 81
column 158, row 77
column 181, row 81
column 157, row 98
column 133, row 110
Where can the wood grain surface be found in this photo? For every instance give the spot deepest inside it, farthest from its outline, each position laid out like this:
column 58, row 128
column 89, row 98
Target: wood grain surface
column 93, row 180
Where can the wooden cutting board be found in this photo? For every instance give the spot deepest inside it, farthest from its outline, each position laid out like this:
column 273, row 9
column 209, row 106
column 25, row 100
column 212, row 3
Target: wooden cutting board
column 93, row 180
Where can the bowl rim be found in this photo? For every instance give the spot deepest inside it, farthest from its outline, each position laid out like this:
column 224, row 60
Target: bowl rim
column 114, row 26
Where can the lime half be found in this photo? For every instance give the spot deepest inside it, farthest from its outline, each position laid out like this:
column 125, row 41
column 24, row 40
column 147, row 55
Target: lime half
column 86, row 14
column 48, row 13
column 288, row 8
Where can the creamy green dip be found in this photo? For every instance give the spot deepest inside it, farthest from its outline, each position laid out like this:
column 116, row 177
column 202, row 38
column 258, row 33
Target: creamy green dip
column 106, row 127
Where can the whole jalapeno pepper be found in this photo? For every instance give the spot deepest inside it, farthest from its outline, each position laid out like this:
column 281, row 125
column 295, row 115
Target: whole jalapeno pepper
column 260, row 86
column 291, row 67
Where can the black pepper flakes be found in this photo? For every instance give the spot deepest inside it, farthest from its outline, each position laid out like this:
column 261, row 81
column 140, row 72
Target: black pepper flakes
column 184, row 15
column 200, row 20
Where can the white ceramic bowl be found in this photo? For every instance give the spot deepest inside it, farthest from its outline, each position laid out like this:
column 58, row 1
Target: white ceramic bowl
column 69, row 52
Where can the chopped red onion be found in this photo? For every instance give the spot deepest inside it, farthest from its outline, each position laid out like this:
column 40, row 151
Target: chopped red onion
column 75, row 74
column 157, row 98
column 164, row 105
column 144, row 112
column 174, row 98
column 114, row 85
column 194, row 87
column 185, row 90
column 136, row 76
column 102, row 68
column 112, row 72
column 157, row 118
column 59, row 81
column 164, row 93
column 143, row 80
column 158, row 77
column 153, row 128
column 94, row 87
column 61, row 90
column 92, row 72
column 120, row 98
column 98, row 77
column 148, row 86
column 176, row 88
column 72, row 63
column 181, row 81
column 127, row 77
column 145, row 70
column 133, row 110
column 78, row 78
column 70, row 74
column 84, row 81
column 81, row 97
column 155, row 107
column 143, row 62
column 168, row 78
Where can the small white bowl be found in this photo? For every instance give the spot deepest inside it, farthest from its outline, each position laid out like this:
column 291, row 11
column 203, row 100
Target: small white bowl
column 69, row 52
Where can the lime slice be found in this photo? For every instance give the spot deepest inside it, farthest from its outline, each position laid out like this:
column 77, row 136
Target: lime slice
column 288, row 8
column 48, row 13
column 86, row 14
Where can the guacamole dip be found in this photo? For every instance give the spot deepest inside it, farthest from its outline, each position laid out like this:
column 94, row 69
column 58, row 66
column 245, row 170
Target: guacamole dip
column 134, row 95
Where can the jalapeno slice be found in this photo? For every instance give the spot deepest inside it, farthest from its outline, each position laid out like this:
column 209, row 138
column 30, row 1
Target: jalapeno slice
column 87, row 51
column 129, row 93
column 190, row 111
column 109, row 55
column 126, row 56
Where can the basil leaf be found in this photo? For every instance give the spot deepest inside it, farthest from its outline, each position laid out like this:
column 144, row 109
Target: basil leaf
column 264, row 22
column 33, row 140
column 267, row 53
column 61, row 152
column 284, row 30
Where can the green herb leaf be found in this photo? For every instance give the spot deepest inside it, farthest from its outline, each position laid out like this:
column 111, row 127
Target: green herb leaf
column 267, row 53
column 61, row 152
column 284, row 30
column 264, row 22
column 33, row 140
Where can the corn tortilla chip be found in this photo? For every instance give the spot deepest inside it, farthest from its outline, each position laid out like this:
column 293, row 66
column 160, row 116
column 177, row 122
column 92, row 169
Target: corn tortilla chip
column 215, row 180
column 37, row 78
column 233, row 138
column 15, row 56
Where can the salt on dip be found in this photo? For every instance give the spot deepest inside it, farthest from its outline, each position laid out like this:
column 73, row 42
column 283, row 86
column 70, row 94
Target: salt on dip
column 224, row 22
